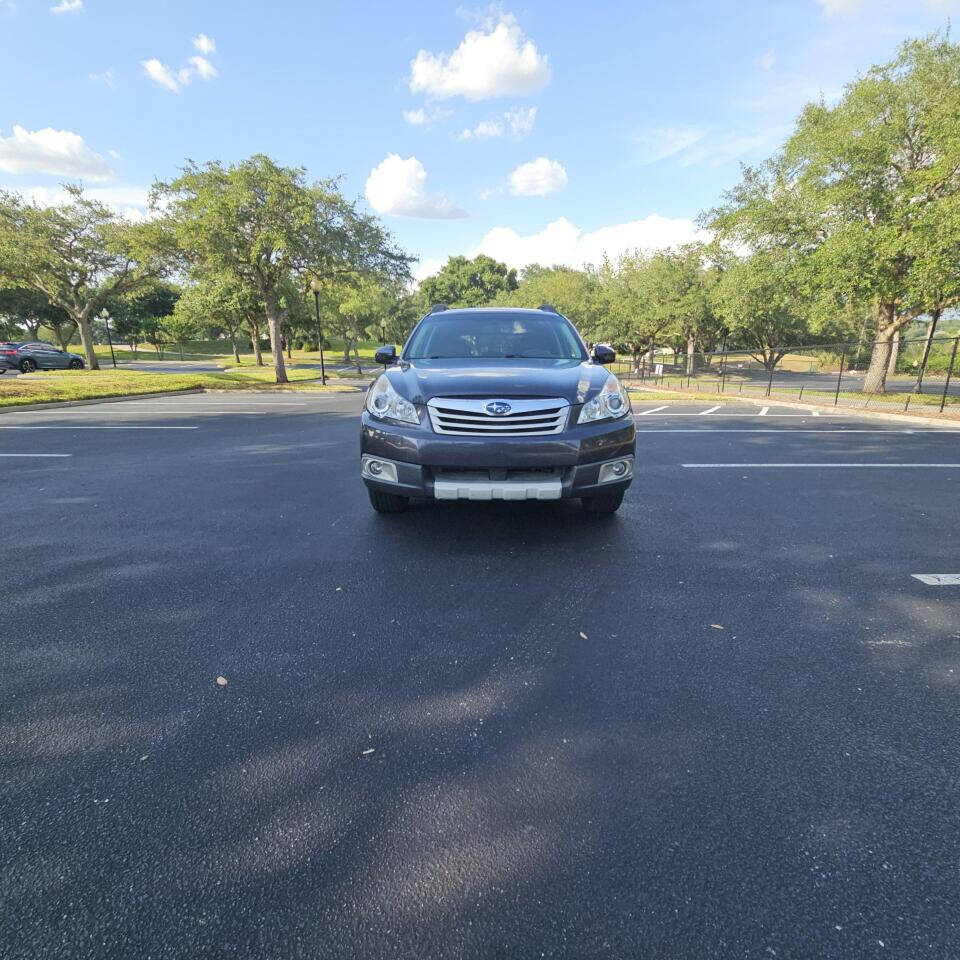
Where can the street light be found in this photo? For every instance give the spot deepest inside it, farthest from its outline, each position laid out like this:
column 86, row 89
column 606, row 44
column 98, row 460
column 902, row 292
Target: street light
column 105, row 317
column 316, row 286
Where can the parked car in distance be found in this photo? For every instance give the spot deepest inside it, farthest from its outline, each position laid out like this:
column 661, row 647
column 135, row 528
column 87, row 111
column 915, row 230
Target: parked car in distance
column 29, row 355
column 500, row 403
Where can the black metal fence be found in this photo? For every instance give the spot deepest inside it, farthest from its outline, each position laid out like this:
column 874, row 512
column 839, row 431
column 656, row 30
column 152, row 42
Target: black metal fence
column 922, row 372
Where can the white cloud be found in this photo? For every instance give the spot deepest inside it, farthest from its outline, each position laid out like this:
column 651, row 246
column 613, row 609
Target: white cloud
column 107, row 78
column 199, row 66
column 425, row 118
column 662, row 142
column 68, row 6
column 843, row 7
column 56, row 152
column 160, row 73
column 484, row 130
column 397, row 186
column 496, row 61
column 427, row 268
column 563, row 243
column 537, row 178
column 521, row 120
column 128, row 201
column 204, row 44
column 767, row 61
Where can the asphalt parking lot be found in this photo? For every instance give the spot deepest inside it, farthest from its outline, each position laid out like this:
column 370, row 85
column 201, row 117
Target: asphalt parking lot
column 723, row 723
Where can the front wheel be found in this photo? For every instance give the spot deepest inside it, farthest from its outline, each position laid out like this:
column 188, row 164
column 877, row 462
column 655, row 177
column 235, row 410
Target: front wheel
column 76, row 364
column 27, row 366
column 605, row 504
column 388, row 502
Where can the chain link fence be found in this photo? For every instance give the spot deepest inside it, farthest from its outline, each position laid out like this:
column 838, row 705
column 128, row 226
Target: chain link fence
column 920, row 373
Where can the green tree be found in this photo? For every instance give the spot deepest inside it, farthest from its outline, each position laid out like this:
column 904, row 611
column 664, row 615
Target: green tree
column 761, row 302
column 77, row 255
column 575, row 293
column 24, row 308
column 264, row 223
column 468, row 283
column 869, row 190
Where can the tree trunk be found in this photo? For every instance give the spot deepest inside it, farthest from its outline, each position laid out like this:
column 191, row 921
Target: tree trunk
column 691, row 359
column 86, row 338
column 180, row 345
column 255, row 338
column 276, row 344
column 887, row 328
column 928, row 342
column 236, row 352
column 894, row 355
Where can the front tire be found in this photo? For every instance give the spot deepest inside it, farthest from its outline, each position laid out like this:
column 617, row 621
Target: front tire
column 388, row 502
column 27, row 366
column 76, row 364
column 603, row 505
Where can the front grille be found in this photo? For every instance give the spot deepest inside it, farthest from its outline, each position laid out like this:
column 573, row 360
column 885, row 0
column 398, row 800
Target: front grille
column 470, row 417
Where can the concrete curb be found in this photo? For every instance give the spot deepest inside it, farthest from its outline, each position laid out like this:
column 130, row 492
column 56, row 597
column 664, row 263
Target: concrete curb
column 796, row 405
column 53, row 405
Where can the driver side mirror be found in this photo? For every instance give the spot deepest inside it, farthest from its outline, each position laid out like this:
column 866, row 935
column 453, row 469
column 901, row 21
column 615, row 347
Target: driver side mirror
column 602, row 353
column 386, row 355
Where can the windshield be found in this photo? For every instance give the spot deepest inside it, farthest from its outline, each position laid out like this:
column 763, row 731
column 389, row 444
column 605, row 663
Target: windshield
column 494, row 336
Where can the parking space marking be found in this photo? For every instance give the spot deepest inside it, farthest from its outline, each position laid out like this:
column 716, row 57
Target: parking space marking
column 201, row 404
column 894, row 466
column 877, row 430
column 646, row 413
column 763, row 411
column 703, row 413
column 41, row 455
column 74, row 426
column 938, row 579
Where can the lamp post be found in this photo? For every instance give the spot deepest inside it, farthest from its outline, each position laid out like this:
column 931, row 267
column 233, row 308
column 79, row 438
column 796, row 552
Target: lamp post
column 105, row 317
column 316, row 286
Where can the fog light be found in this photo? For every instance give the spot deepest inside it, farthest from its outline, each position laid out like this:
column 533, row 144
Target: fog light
column 378, row 469
column 616, row 470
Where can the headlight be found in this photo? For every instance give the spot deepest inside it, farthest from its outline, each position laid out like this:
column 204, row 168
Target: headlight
column 611, row 402
column 383, row 401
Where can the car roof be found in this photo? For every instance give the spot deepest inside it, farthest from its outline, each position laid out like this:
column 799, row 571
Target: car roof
column 532, row 311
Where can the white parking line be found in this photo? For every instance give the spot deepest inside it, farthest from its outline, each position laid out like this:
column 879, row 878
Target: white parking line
column 763, row 412
column 938, row 579
column 43, row 455
column 200, row 404
column 895, row 466
column 69, row 426
column 703, row 413
column 708, row 430
column 646, row 413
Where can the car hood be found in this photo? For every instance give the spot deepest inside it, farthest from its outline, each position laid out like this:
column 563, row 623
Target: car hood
column 422, row 380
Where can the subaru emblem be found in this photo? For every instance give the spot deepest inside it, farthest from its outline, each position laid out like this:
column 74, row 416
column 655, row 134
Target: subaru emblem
column 498, row 408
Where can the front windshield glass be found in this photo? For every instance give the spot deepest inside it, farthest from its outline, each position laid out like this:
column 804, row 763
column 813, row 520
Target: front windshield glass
column 494, row 336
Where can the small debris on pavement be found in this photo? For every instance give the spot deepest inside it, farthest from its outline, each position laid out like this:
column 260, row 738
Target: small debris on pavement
column 583, row 636
column 716, row 626
column 221, row 681
column 369, row 750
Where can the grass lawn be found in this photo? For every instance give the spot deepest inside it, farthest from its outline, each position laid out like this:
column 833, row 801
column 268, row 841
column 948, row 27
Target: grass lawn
column 215, row 352
column 91, row 385
column 921, row 403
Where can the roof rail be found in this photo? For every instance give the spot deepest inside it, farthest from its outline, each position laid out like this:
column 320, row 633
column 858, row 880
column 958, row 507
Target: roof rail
column 437, row 308
column 549, row 307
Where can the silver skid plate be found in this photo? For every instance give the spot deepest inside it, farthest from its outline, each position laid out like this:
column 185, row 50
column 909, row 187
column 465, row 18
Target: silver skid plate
column 471, row 488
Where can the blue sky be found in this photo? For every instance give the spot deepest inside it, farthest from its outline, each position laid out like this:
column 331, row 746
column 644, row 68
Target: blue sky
column 535, row 131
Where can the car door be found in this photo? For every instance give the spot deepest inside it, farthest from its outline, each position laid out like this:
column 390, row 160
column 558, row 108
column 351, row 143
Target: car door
column 59, row 360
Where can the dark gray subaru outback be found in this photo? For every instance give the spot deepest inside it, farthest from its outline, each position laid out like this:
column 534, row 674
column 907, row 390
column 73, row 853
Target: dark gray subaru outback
column 496, row 404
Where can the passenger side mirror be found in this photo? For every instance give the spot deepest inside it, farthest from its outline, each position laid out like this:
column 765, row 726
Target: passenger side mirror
column 603, row 353
column 386, row 355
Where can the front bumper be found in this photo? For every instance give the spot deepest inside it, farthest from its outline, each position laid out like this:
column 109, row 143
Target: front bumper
column 574, row 458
